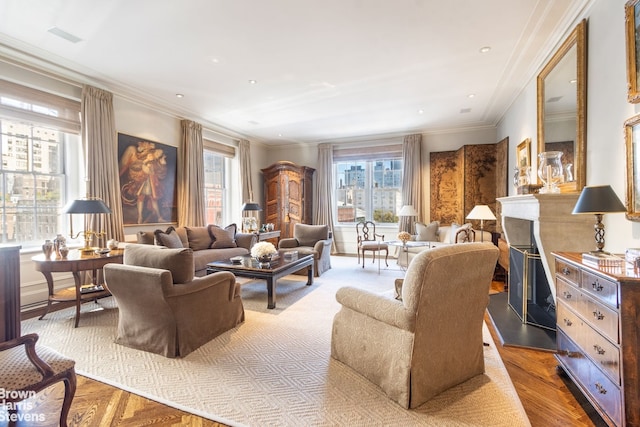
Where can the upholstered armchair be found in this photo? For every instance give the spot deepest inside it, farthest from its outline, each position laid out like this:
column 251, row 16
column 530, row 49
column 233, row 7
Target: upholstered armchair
column 27, row 368
column 163, row 308
column 311, row 239
column 431, row 339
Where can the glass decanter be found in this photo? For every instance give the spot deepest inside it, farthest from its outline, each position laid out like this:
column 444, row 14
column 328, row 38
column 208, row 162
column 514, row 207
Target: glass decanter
column 550, row 171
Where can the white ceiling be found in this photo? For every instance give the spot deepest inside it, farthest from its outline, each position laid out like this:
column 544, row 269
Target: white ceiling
column 324, row 69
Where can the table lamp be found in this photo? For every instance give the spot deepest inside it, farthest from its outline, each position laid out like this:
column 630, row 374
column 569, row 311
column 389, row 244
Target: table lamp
column 250, row 207
column 89, row 205
column 598, row 200
column 481, row 212
column 408, row 210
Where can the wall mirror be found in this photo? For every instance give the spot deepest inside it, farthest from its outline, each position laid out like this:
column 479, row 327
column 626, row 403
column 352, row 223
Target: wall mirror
column 562, row 100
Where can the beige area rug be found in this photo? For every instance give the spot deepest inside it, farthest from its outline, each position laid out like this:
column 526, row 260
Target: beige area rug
column 276, row 369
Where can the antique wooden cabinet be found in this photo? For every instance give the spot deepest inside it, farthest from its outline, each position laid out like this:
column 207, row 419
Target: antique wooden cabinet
column 598, row 335
column 288, row 196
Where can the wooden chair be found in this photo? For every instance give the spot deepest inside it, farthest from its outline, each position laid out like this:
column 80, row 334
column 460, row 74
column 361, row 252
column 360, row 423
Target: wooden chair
column 22, row 370
column 369, row 240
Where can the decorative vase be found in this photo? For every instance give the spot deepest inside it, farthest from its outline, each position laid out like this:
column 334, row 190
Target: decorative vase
column 47, row 248
column 63, row 251
column 112, row 244
column 264, row 261
column 550, row 171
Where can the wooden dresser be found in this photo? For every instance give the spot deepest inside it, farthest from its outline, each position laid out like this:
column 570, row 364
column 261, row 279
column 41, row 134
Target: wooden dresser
column 598, row 335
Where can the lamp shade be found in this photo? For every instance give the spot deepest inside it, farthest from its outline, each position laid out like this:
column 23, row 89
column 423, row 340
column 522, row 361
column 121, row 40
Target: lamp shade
column 481, row 212
column 251, row 206
column 598, row 199
column 408, row 210
column 87, row 206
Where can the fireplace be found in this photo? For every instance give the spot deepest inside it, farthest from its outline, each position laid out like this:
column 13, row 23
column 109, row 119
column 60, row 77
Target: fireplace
column 529, row 290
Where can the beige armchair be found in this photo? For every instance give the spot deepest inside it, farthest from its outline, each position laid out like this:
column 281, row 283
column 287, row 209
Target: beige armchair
column 429, row 341
column 313, row 240
column 163, row 308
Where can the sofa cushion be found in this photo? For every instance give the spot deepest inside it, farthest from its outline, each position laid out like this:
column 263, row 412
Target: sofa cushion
column 168, row 238
column 223, row 237
column 204, row 257
column 178, row 261
column 427, row 233
column 308, row 235
column 199, row 238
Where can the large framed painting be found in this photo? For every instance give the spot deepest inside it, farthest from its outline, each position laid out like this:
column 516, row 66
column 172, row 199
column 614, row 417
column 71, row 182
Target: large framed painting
column 147, row 180
column 632, row 20
column 632, row 140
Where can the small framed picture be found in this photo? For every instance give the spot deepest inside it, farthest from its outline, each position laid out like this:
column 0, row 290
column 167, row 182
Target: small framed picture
column 523, row 153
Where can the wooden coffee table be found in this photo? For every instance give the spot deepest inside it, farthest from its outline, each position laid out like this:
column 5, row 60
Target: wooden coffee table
column 278, row 268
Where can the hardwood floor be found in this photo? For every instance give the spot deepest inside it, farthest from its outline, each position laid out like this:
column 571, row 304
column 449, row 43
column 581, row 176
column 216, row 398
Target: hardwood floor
column 544, row 393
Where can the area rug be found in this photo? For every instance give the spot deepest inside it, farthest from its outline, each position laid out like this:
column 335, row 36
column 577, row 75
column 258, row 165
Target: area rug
column 275, row 369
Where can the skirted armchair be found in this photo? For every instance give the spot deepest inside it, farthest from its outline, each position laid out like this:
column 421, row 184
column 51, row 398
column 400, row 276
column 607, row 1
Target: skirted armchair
column 429, row 340
column 311, row 239
column 163, row 308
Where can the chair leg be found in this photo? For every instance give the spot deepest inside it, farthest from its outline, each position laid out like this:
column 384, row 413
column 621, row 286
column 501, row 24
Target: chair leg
column 69, row 393
column 386, row 256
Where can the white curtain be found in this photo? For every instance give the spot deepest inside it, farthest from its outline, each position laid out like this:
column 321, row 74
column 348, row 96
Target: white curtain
column 245, row 170
column 323, row 189
column 411, row 179
column 191, row 209
column 100, row 145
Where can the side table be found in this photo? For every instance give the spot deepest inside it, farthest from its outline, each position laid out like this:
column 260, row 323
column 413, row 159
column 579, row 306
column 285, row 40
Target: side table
column 74, row 264
column 404, row 248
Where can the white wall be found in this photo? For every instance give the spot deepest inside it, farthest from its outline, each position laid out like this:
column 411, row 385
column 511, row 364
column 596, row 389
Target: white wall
column 607, row 109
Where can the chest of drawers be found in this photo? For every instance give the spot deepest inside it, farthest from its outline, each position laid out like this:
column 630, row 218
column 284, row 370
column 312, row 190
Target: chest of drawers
column 598, row 335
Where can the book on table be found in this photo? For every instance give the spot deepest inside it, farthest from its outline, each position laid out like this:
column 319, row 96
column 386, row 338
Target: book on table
column 86, row 289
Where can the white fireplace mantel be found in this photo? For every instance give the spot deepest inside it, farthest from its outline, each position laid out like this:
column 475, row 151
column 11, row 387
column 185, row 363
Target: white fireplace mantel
column 547, row 218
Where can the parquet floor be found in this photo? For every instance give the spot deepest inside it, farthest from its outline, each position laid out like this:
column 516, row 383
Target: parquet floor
column 544, row 393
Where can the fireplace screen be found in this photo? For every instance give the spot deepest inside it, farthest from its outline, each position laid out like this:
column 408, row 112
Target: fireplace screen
column 529, row 292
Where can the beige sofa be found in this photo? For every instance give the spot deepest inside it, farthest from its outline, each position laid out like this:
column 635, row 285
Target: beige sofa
column 209, row 243
column 163, row 308
column 433, row 235
column 429, row 341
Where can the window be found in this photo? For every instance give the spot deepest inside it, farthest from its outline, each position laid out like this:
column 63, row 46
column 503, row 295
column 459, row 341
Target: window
column 216, row 176
column 36, row 142
column 214, row 187
column 368, row 189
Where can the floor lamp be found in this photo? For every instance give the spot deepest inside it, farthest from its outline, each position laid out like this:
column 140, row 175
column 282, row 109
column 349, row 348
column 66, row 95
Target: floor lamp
column 481, row 212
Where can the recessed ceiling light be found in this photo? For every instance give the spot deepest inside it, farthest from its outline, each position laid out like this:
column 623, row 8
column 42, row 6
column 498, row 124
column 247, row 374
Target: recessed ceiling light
column 252, row 82
column 471, row 95
column 215, row 60
column 421, row 111
column 485, row 49
column 179, row 95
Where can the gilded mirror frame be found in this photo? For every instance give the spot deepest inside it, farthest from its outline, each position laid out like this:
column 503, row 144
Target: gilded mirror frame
column 578, row 39
column 632, row 142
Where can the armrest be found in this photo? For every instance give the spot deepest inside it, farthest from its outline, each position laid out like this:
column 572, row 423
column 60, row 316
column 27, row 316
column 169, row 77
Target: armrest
column 246, row 240
column 386, row 310
column 288, row 242
column 321, row 244
column 199, row 284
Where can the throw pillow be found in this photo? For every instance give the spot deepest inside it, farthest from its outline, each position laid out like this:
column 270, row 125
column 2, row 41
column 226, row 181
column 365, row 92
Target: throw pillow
column 427, row 233
column 168, row 238
column 145, row 237
column 223, row 237
column 199, row 238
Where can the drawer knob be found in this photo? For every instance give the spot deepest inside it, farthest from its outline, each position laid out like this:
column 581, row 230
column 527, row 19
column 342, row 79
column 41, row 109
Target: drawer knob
column 566, row 271
column 598, row 349
column 567, row 294
column 596, row 286
column 601, row 388
column 567, row 322
column 598, row 315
